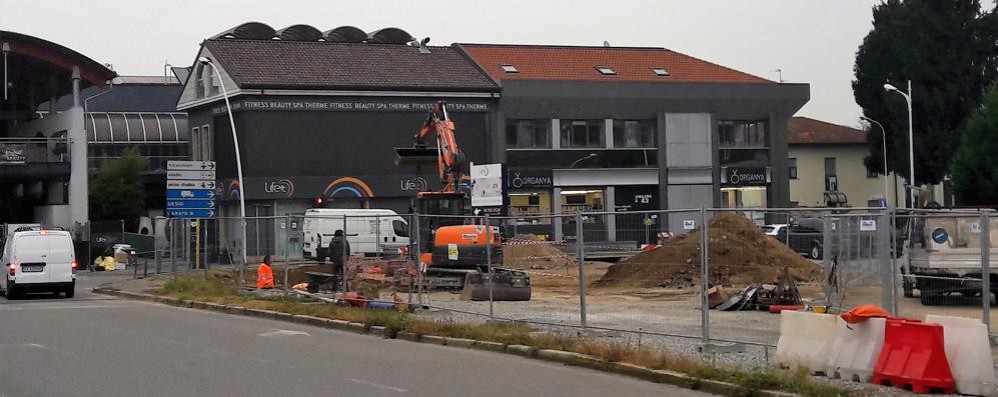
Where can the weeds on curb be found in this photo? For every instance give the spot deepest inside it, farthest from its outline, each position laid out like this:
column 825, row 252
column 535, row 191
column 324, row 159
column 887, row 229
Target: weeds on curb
column 215, row 290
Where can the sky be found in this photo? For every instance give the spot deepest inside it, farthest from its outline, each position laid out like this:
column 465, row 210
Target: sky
column 811, row 41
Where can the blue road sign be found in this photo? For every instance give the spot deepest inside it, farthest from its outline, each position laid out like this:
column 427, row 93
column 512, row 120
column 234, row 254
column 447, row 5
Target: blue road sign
column 190, row 204
column 190, row 194
column 190, row 213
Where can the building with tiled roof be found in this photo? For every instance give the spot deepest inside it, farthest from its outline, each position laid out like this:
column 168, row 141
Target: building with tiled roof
column 625, row 129
column 826, row 167
column 644, row 64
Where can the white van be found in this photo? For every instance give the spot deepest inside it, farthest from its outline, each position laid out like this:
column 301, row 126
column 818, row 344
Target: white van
column 38, row 260
column 368, row 231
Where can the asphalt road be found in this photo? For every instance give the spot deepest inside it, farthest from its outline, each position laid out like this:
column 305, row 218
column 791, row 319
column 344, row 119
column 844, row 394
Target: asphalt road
column 99, row 346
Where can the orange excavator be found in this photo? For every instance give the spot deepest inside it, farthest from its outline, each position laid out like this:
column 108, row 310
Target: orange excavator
column 457, row 252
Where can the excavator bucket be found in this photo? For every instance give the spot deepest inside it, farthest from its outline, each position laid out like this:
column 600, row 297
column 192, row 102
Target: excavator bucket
column 416, row 156
column 510, row 285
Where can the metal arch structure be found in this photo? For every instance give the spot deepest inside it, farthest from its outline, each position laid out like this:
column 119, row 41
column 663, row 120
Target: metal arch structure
column 248, row 31
column 346, row 34
column 390, row 36
column 300, row 32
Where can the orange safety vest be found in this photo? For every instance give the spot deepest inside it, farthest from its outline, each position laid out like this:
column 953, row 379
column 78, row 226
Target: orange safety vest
column 264, row 276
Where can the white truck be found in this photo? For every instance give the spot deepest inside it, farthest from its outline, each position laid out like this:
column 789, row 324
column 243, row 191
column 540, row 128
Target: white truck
column 38, row 260
column 944, row 257
column 369, row 231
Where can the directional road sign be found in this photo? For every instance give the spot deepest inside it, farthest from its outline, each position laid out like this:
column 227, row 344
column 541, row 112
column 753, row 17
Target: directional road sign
column 188, row 204
column 190, row 194
column 190, row 165
column 194, row 213
column 179, row 184
column 190, row 189
column 200, row 175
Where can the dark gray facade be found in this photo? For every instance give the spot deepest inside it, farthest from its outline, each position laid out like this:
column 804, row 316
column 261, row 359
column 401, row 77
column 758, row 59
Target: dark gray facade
column 687, row 156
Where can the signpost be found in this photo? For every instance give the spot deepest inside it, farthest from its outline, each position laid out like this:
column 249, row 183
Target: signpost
column 190, row 194
column 190, row 189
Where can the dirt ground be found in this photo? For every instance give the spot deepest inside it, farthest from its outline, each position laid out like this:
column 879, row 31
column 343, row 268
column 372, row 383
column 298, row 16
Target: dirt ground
column 667, row 310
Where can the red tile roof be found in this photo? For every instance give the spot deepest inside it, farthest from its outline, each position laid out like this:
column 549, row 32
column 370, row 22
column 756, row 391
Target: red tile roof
column 808, row 131
column 579, row 63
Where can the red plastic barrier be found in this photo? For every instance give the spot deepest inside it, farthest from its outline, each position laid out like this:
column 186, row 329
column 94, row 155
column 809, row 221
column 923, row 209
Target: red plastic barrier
column 913, row 358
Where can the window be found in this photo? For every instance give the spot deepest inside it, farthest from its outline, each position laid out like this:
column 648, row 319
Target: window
column 871, row 173
column 634, row 133
column 831, row 180
column 528, row 133
column 661, row 72
column 509, row 69
column 215, row 88
column 742, row 134
column 196, row 144
column 792, row 168
column 605, row 70
column 582, row 133
column 207, row 144
column 203, row 74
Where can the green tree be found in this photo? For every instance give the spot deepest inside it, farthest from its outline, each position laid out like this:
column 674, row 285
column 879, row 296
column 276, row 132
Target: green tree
column 948, row 49
column 974, row 173
column 117, row 191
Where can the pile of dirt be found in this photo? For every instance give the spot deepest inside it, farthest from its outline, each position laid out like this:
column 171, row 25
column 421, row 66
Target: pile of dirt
column 739, row 252
column 523, row 252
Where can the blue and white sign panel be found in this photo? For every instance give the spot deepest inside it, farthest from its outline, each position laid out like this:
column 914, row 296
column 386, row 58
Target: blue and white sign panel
column 190, row 194
column 197, row 213
column 190, row 203
column 190, row 189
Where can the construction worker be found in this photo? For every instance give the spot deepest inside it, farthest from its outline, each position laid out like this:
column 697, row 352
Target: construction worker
column 265, row 275
column 339, row 251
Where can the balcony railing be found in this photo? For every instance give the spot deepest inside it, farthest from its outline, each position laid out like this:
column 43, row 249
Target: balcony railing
column 34, row 150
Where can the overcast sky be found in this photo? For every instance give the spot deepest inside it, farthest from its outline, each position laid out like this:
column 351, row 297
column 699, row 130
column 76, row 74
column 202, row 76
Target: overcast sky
column 812, row 41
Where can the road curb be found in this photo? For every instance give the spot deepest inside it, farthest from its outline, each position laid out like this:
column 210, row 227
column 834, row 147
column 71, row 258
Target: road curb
column 549, row 355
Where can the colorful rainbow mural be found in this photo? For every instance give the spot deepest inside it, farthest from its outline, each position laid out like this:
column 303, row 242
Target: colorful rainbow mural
column 233, row 190
column 350, row 185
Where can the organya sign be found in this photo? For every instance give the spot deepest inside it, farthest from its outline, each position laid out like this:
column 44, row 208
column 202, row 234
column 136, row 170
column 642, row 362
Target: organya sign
column 745, row 176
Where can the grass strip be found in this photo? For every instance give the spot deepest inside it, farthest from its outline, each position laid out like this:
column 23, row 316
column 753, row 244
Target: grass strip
column 218, row 290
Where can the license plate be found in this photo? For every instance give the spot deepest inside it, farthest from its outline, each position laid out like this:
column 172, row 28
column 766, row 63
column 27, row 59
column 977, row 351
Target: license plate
column 31, row 269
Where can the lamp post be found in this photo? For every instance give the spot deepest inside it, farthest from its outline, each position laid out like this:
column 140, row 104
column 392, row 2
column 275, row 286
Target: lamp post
column 883, row 133
column 591, row 155
column 205, row 61
column 911, row 140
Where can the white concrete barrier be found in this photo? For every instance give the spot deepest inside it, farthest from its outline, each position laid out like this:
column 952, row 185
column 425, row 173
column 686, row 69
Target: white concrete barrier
column 969, row 354
column 855, row 349
column 805, row 340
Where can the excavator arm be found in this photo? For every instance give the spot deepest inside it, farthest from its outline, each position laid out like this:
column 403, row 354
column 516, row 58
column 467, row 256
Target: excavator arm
column 450, row 158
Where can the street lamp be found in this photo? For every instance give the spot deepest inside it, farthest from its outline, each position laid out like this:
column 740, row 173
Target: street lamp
column 911, row 139
column 883, row 133
column 205, row 61
column 591, row 155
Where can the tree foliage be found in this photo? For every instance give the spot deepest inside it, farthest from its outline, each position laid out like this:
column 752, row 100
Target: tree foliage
column 949, row 51
column 117, row 191
column 974, row 171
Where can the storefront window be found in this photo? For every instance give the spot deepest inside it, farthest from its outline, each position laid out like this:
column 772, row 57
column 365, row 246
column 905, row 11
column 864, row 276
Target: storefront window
column 528, row 206
column 528, row 133
column 750, row 197
column 742, row 134
column 582, row 133
column 634, row 133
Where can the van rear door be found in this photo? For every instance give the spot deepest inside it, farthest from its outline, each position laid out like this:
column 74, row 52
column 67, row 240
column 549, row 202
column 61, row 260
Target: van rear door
column 60, row 263
column 31, row 253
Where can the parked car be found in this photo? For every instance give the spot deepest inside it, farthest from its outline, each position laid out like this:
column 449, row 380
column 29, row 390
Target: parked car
column 803, row 235
column 775, row 229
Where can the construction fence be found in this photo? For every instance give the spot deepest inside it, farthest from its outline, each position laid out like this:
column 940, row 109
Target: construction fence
column 640, row 276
